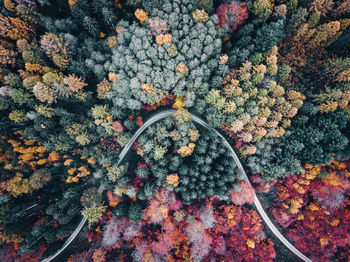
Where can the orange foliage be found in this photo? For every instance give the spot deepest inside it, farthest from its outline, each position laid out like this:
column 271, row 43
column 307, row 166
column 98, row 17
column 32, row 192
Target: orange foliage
column 14, row 28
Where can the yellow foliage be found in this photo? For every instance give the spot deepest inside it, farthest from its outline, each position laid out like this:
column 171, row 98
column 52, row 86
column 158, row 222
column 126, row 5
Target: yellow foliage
column 344, row 76
column 335, row 222
column 112, row 76
column 7, row 56
column 223, row 59
column 92, row 160
column 72, row 2
column 250, row 243
column 181, row 116
column 200, row 16
column 141, row 15
column 74, row 83
column 280, row 132
column 147, row 88
column 17, row 185
column 9, row 5
column 68, row 162
column 328, row 106
column 33, row 67
column 193, row 134
column 299, row 188
column 337, row 165
column 182, row 68
column 9, row 238
column 179, row 102
column 186, row 150
column 71, row 170
column 119, row 30
column 323, row 34
column 112, row 41
column 41, row 161
column 163, row 39
column 149, row 257
column 323, row 242
column 262, row 9
column 40, row 149
column 296, row 204
column 53, row 156
column 173, row 180
column 332, row 180
column 300, row 217
column 313, row 207
column 83, row 171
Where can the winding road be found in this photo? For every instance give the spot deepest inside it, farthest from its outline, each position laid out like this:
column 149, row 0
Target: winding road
column 257, row 204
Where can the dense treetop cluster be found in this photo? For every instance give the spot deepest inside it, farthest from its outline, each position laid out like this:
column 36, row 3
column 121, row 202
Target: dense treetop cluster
column 80, row 79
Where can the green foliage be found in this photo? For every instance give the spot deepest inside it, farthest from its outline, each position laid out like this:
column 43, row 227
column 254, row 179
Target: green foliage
column 152, row 63
column 255, row 39
column 271, row 160
column 93, row 213
column 121, row 209
column 342, row 43
column 135, row 212
column 269, row 35
column 77, row 81
column 63, row 208
column 90, row 15
column 3, row 207
column 149, row 5
column 4, row 199
column 207, row 5
column 313, row 138
column 211, row 170
column 90, row 25
column 283, row 72
column 18, row 116
column 257, row 58
column 262, row 9
column 133, row 3
column 115, row 172
column 321, row 136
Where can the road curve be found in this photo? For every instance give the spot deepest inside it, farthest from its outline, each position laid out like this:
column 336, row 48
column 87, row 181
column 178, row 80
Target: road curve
column 203, row 123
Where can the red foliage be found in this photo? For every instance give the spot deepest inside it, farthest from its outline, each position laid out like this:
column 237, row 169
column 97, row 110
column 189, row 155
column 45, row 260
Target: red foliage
column 331, row 197
column 260, row 185
column 314, row 207
column 83, row 256
column 239, row 143
column 232, row 14
column 208, row 229
column 239, row 225
column 320, row 235
column 113, row 231
column 159, row 206
column 156, row 211
column 219, row 245
column 164, row 245
column 136, row 145
column 141, row 165
column 147, row 107
column 244, row 195
column 139, row 121
column 8, row 253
